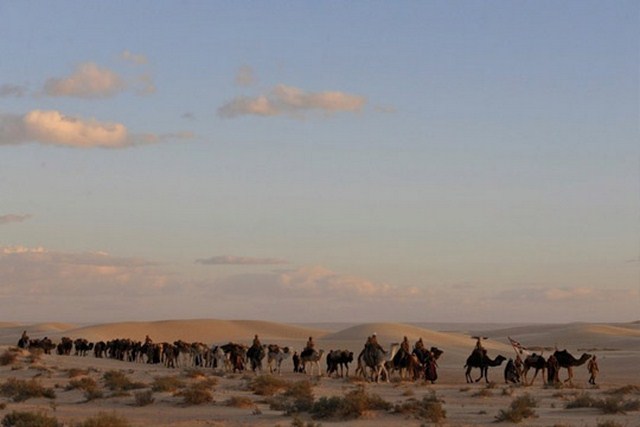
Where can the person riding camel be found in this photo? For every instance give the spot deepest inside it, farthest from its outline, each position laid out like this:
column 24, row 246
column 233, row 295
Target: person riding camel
column 405, row 345
column 147, row 340
column 373, row 342
column 256, row 342
column 419, row 345
column 309, row 347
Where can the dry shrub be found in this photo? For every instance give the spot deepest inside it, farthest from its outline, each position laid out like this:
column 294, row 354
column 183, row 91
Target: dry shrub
column 88, row 385
column 167, row 384
column 194, row 373
column 429, row 408
column 267, row 385
column 485, row 392
column 35, row 354
column 143, row 398
column 298, row 397
column 29, row 419
column 351, row 406
column 9, row 357
column 240, row 402
column 627, row 389
column 520, row 409
column 76, row 372
column 609, row 423
column 196, row 394
column 21, row 390
column 103, row 419
column 615, row 405
column 85, row 383
column 118, row 381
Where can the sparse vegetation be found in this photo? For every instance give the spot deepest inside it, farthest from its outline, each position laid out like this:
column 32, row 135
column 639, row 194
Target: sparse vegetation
column 103, row 419
column 520, row 409
column 29, row 419
column 583, row 400
column 298, row 397
column 351, row 406
column 609, row 423
column 267, row 385
column 627, row 389
column 196, row 394
column 485, row 392
column 9, row 357
column 21, row 390
column 143, row 398
column 611, row 405
column 240, row 402
column 76, row 372
column 117, row 381
column 429, row 408
column 167, row 384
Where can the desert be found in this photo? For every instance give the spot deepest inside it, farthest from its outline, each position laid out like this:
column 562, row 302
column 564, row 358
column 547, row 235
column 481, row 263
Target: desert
column 88, row 390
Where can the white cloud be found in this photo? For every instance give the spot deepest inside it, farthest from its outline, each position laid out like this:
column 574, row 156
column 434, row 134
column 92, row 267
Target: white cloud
column 6, row 219
column 312, row 282
column 36, row 270
column 245, row 76
column 134, row 58
column 88, row 81
column 293, row 102
column 236, row 260
column 53, row 127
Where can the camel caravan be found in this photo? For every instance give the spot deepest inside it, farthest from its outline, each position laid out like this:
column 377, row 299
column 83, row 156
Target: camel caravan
column 516, row 370
column 373, row 363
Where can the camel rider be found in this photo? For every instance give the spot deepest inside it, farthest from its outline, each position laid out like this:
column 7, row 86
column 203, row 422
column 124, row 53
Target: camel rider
column 479, row 347
column 373, row 342
column 147, row 340
column 309, row 347
column 419, row 345
column 256, row 342
column 405, row 345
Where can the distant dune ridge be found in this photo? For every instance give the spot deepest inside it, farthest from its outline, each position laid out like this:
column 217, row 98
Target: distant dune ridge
column 572, row 335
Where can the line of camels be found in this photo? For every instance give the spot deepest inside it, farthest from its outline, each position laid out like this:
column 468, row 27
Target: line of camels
column 373, row 363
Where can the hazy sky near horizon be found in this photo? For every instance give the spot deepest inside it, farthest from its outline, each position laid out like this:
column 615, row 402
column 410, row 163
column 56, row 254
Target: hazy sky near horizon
column 320, row 161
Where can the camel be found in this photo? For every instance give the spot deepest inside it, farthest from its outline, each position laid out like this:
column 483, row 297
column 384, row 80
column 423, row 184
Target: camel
column 220, row 360
column 568, row 361
column 255, row 355
column 479, row 359
column 339, row 358
column 276, row 355
column 375, row 358
column 537, row 362
column 312, row 359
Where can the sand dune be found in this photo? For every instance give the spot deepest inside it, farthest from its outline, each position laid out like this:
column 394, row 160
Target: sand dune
column 205, row 330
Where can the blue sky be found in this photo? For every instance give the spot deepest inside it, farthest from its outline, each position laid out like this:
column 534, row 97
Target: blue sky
column 411, row 161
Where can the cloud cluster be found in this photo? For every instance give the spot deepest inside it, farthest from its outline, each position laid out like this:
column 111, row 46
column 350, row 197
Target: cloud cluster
column 236, row 260
column 36, row 270
column 314, row 282
column 53, row 127
column 134, row 58
column 292, row 101
column 7, row 90
column 6, row 219
column 88, row 81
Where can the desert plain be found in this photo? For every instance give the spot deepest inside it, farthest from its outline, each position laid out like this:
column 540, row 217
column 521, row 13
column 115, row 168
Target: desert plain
column 236, row 401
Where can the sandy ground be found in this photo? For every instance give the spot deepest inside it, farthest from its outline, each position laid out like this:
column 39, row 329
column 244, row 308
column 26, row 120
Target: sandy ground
column 616, row 345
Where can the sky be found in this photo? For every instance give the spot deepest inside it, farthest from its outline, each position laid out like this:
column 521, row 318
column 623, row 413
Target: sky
column 306, row 161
